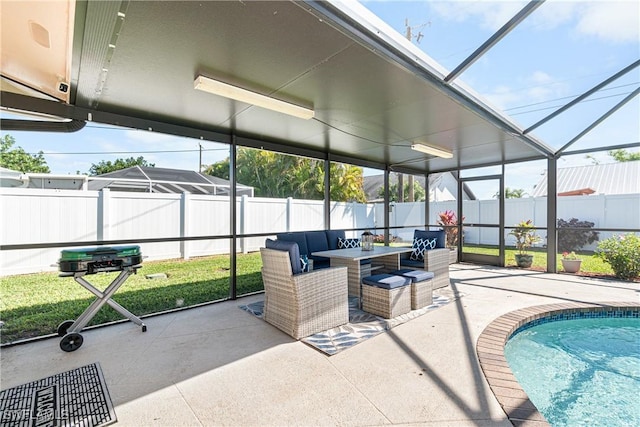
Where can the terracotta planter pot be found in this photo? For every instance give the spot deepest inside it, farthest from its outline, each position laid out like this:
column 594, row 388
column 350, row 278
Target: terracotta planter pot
column 524, row 260
column 571, row 265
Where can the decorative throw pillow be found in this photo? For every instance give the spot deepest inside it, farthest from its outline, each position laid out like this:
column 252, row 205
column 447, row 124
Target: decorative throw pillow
column 304, row 263
column 348, row 243
column 440, row 235
column 420, row 246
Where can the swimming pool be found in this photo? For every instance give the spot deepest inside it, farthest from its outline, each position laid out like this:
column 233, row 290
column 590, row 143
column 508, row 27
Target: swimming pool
column 490, row 349
column 580, row 372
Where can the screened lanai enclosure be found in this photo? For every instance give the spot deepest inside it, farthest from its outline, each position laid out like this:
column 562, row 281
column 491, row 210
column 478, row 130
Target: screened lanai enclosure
column 348, row 93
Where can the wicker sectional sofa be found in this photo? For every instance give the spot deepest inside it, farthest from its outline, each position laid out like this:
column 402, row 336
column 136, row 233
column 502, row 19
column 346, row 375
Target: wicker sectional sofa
column 435, row 260
column 313, row 241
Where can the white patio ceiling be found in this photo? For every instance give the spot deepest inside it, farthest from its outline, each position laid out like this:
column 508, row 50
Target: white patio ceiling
column 374, row 93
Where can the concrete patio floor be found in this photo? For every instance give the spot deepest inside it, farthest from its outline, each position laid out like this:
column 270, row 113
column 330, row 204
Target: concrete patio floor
column 219, row 365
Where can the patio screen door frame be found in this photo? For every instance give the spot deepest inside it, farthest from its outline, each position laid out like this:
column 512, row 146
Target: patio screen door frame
column 475, row 258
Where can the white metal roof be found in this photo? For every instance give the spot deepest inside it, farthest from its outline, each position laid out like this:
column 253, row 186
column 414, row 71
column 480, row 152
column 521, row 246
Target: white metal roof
column 611, row 178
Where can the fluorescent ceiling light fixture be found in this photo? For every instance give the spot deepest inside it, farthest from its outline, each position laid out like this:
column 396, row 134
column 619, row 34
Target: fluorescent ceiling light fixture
column 233, row 92
column 434, row 151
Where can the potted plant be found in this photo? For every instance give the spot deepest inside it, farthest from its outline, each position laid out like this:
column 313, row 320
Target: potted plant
column 571, row 262
column 449, row 222
column 526, row 236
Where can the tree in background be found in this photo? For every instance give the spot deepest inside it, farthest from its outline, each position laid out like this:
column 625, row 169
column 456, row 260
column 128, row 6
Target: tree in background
column 419, row 194
column 346, row 183
column 624, row 155
column 18, row 160
column 280, row 175
column 591, row 157
column 118, row 164
column 511, row 193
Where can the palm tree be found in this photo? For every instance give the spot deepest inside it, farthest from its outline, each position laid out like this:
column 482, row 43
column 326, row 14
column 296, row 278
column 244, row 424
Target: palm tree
column 511, row 193
column 281, row 175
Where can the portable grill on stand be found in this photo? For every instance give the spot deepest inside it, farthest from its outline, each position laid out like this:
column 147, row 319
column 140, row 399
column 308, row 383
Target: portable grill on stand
column 78, row 263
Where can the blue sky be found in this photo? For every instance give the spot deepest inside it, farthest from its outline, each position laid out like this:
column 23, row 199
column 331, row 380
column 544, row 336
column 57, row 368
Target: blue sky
column 563, row 49
column 560, row 51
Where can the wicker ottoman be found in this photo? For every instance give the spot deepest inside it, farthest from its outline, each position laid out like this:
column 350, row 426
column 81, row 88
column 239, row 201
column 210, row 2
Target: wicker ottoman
column 386, row 295
column 421, row 286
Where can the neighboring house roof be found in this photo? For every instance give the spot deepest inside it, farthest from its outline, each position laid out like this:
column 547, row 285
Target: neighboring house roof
column 610, row 178
column 164, row 180
column 11, row 178
column 446, row 186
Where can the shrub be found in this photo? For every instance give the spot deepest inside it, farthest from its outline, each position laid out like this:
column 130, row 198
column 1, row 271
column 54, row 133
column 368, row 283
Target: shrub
column 623, row 254
column 379, row 238
column 525, row 235
column 575, row 235
column 449, row 221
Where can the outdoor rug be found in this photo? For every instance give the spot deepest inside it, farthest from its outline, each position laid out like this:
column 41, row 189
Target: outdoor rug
column 361, row 326
column 74, row 398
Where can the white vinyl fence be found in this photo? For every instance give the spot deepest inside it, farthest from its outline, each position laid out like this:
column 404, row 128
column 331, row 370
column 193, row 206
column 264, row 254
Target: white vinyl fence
column 612, row 211
column 32, row 216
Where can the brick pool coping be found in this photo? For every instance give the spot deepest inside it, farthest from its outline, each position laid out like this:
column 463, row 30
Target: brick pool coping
column 490, row 350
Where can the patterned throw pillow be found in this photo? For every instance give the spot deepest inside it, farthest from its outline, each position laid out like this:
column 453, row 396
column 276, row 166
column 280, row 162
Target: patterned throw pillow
column 348, row 243
column 304, row 263
column 420, row 246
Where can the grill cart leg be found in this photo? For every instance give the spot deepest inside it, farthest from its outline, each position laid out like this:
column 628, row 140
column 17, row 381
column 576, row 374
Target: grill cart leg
column 72, row 340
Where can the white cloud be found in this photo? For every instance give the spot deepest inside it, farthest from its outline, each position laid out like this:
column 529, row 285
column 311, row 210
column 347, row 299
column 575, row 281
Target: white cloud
column 503, row 97
column 614, row 21
column 552, row 14
column 611, row 21
column 540, row 94
column 540, row 77
column 538, row 87
column 492, row 14
column 543, row 87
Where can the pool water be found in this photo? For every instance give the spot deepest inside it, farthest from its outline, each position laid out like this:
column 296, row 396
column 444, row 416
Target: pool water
column 583, row 372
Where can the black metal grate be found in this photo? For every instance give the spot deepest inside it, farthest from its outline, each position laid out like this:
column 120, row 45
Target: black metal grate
column 74, row 398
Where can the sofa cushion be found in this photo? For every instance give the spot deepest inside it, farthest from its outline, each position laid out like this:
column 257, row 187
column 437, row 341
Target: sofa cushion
column 414, row 275
column 348, row 243
column 386, row 281
column 299, row 237
column 406, row 262
column 332, row 238
column 317, row 241
column 321, row 262
column 439, row 235
column 291, row 248
column 420, row 246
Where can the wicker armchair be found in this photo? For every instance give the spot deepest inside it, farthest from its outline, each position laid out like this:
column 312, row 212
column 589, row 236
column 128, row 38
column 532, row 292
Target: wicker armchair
column 303, row 304
column 435, row 261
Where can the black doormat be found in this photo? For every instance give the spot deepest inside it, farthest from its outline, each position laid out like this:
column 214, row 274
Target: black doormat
column 74, row 398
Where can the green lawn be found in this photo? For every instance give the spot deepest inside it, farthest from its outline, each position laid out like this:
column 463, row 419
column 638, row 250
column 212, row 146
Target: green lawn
column 35, row 304
column 590, row 263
